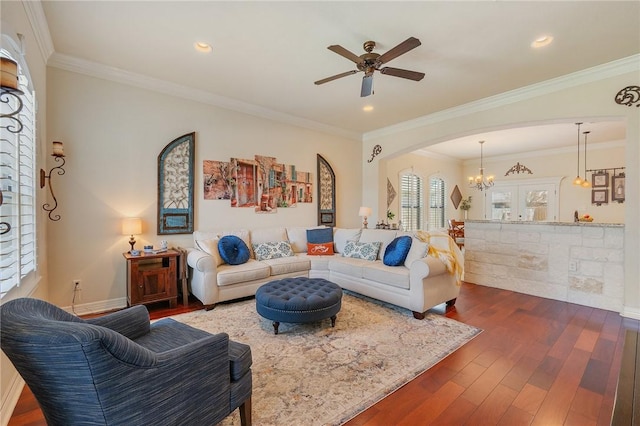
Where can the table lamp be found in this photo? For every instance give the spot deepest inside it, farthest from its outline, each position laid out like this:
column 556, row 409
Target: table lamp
column 132, row 226
column 364, row 212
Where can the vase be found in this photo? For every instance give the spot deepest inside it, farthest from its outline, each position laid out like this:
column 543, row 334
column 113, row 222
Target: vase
column 466, row 214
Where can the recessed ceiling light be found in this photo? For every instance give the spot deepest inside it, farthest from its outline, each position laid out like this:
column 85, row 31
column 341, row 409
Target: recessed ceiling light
column 202, row 47
column 542, row 41
column 367, row 108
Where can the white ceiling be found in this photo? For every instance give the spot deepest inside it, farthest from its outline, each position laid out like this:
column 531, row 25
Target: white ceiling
column 266, row 55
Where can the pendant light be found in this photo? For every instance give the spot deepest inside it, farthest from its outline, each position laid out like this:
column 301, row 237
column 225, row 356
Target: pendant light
column 481, row 182
column 578, row 180
column 585, row 183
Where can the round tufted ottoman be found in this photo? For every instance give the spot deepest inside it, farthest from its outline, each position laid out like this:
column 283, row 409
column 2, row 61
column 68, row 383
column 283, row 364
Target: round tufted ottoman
column 299, row 299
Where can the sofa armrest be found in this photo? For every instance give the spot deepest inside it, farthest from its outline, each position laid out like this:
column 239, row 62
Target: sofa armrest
column 201, row 261
column 132, row 322
column 425, row 267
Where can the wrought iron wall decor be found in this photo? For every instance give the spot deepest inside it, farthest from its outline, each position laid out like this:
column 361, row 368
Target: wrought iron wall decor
column 391, row 193
column 175, row 186
column 518, row 168
column 58, row 156
column 326, row 193
column 376, row 151
column 628, row 96
column 10, row 122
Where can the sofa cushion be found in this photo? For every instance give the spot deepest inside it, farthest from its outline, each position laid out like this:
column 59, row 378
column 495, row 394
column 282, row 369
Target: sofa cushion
column 417, row 251
column 383, row 236
column 319, row 236
column 272, row 250
column 298, row 238
column 397, row 251
column 267, row 235
column 288, row 265
column 210, row 247
column 349, row 266
column 322, row 249
column 341, row 236
column 233, row 250
column 366, row 251
column 249, row 271
column 395, row 276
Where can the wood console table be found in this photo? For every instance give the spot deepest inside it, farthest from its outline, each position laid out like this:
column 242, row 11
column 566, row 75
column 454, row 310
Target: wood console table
column 152, row 278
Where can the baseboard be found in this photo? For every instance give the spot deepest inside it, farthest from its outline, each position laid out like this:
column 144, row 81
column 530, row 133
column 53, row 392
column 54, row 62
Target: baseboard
column 10, row 398
column 97, row 307
column 628, row 312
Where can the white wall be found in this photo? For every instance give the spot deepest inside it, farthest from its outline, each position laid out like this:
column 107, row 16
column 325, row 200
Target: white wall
column 569, row 98
column 113, row 134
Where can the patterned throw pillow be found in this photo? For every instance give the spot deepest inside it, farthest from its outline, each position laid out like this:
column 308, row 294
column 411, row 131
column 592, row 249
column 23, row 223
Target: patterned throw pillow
column 233, row 250
column 366, row 251
column 323, row 249
column 397, row 251
column 272, row 250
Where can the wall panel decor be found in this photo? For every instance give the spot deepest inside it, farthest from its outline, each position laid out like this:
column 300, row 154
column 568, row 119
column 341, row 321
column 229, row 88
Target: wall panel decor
column 175, row 186
column 326, row 193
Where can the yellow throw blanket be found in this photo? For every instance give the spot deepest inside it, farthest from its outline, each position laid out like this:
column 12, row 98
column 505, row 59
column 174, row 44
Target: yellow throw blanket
column 443, row 247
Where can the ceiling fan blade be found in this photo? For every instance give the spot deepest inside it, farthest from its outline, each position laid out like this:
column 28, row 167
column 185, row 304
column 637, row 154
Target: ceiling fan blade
column 397, row 72
column 401, row 49
column 344, row 52
column 335, row 77
column 367, row 86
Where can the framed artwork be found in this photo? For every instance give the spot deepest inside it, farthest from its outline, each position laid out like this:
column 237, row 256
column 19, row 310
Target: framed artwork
column 326, row 193
column 599, row 196
column 600, row 180
column 618, row 188
column 175, row 186
column 456, row 197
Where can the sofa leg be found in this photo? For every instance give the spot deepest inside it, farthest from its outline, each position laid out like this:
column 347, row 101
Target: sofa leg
column 418, row 315
column 451, row 302
column 209, row 307
column 245, row 413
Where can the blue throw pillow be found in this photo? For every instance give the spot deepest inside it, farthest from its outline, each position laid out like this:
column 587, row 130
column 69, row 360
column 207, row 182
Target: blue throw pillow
column 397, row 251
column 233, row 250
column 320, row 235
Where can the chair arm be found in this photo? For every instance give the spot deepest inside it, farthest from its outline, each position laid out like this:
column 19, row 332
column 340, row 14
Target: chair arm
column 132, row 322
column 201, row 261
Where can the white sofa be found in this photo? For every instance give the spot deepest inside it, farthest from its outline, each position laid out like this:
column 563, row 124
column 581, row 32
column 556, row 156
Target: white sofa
column 423, row 282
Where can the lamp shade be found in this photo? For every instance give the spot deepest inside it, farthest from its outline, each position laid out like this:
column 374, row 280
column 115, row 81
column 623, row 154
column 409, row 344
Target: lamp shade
column 364, row 212
column 132, row 226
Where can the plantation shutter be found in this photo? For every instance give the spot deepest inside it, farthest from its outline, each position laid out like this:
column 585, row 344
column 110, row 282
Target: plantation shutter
column 436, row 203
column 411, row 203
column 17, row 182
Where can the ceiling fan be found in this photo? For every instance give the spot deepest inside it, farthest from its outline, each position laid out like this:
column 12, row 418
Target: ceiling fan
column 370, row 62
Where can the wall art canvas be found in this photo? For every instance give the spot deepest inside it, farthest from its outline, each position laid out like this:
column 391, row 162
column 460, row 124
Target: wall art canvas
column 175, row 186
column 268, row 189
column 244, row 187
column 218, row 180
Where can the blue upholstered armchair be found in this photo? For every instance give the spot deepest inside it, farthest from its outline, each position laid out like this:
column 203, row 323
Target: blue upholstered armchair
column 121, row 370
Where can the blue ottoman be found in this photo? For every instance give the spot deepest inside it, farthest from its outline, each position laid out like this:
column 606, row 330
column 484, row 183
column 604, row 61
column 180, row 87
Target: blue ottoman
column 298, row 300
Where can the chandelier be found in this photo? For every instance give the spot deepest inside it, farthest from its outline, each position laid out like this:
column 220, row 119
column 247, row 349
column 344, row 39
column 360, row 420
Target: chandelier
column 481, row 182
column 578, row 180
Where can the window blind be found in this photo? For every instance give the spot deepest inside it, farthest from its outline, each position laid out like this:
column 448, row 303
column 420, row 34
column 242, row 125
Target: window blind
column 17, row 182
column 411, row 202
column 436, row 203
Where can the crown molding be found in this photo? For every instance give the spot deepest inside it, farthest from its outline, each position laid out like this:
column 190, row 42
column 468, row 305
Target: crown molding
column 589, row 75
column 105, row 72
column 38, row 21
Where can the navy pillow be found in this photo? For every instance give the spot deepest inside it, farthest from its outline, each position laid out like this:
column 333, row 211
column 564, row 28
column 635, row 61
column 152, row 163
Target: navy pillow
column 233, row 250
column 397, row 251
column 320, row 235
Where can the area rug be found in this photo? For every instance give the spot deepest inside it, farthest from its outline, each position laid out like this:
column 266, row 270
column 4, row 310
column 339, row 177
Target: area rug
column 313, row 374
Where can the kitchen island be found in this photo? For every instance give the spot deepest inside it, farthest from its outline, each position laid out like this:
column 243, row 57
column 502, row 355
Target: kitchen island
column 577, row 262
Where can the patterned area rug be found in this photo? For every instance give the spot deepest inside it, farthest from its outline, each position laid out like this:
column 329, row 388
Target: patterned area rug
column 312, row 374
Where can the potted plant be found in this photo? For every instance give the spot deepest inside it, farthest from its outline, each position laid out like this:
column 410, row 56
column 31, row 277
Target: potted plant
column 465, row 205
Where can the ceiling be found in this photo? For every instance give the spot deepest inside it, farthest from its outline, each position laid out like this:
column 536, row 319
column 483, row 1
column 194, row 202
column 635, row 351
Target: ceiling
column 266, row 55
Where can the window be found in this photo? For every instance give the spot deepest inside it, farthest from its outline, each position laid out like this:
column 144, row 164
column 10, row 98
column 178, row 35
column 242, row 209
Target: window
column 411, row 202
column 17, row 183
column 436, row 203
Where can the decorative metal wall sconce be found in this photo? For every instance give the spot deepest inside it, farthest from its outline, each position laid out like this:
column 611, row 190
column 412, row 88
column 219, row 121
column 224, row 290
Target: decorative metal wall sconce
column 376, row 151
column 628, row 96
column 58, row 156
column 518, row 168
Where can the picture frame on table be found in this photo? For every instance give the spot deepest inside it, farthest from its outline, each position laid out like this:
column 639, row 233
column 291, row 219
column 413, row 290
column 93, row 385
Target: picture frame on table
column 600, row 180
column 618, row 188
column 599, row 196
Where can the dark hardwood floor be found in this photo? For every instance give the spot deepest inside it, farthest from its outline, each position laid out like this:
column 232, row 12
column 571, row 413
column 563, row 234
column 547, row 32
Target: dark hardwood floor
column 538, row 362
